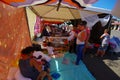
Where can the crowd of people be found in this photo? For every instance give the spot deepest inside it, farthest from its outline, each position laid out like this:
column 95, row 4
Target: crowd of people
column 34, row 63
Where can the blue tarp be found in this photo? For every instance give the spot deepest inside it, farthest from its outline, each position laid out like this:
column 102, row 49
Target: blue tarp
column 69, row 71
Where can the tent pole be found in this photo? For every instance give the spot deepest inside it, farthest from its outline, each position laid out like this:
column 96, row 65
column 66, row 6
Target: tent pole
column 28, row 24
column 34, row 11
column 59, row 4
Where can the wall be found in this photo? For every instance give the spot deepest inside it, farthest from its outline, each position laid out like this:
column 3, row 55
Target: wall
column 14, row 35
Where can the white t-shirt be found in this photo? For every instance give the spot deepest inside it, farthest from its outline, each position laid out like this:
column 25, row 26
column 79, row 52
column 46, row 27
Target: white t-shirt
column 106, row 38
column 50, row 50
column 44, row 56
column 72, row 35
column 79, row 35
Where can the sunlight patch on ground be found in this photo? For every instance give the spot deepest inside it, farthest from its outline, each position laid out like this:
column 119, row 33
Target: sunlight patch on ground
column 114, row 65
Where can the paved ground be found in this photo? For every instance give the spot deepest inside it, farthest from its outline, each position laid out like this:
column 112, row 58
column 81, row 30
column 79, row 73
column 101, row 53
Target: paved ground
column 103, row 68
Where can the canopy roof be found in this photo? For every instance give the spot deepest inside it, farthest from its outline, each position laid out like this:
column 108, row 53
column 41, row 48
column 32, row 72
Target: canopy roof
column 24, row 3
column 50, row 12
column 79, row 4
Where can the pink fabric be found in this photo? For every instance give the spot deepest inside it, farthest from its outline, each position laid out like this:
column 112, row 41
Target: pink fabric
column 37, row 27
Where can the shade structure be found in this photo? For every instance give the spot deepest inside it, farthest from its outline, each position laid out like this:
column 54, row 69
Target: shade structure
column 14, row 31
column 61, row 14
column 23, row 3
column 50, row 12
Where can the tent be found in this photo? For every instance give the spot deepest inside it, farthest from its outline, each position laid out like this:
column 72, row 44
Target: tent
column 50, row 12
column 74, row 3
column 15, row 34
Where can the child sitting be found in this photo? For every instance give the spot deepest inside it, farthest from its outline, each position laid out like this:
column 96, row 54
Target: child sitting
column 51, row 50
column 29, row 67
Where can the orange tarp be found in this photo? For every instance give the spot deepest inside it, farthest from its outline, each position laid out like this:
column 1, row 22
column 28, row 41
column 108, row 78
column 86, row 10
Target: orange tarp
column 10, row 1
column 14, row 35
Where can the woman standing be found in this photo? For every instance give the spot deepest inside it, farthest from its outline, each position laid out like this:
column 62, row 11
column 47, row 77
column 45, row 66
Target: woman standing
column 81, row 38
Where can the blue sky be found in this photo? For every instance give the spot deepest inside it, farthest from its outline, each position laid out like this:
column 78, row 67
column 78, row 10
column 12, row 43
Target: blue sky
column 106, row 4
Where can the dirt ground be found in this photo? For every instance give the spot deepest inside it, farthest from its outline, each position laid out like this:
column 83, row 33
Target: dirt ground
column 103, row 68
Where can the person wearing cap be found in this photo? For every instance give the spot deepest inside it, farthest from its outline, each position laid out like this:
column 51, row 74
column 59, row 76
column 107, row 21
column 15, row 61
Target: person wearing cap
column 80, row 42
